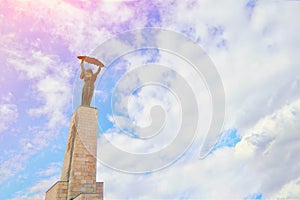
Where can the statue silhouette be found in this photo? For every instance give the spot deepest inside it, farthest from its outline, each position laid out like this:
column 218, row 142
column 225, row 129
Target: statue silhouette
column 89, row 79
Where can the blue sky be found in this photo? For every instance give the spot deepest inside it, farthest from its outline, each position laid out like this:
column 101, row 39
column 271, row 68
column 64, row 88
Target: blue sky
column 254, row 46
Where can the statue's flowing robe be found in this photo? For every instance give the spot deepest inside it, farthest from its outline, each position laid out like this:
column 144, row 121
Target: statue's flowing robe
column 88, row 88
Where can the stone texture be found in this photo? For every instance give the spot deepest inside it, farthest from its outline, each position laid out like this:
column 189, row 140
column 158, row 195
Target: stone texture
column 79, row 168
column 58, row 191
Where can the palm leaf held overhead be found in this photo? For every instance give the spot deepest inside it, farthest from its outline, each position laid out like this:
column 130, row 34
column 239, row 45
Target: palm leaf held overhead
column 91, row 60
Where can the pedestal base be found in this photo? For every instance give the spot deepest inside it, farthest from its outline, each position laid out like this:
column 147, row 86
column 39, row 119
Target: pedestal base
column 78, row 177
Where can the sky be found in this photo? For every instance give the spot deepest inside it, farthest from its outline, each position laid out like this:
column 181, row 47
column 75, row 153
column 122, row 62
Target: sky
column 253, row 46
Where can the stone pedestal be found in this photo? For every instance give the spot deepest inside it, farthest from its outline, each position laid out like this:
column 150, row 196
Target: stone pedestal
column 78, row 177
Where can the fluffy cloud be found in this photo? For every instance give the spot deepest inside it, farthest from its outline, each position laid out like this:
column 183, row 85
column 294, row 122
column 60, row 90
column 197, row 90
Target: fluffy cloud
column 50, row 82
column 248, row 50
column 49, row 96
column 260, row 74
column 54, row 168
column 37, row 191
column 290, row 190
column 12, row 165
column 274, row 138
column 251, row 167
column 8, row 115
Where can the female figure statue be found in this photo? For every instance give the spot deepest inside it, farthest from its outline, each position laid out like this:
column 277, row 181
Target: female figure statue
column 89, row 79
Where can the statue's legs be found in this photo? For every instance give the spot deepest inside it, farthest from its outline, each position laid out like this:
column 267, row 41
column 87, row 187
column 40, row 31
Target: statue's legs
column 90, row 96
column 87, row 94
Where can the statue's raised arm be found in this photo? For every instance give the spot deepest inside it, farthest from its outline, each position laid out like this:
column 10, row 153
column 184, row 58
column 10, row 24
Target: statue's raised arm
column 89, row 79
column 82, row 69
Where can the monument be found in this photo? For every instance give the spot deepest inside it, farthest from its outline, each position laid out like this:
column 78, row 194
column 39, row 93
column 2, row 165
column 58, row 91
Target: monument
column 78, row 176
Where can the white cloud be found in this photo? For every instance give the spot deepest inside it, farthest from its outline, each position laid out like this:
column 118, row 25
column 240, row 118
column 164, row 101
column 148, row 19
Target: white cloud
column 34, row 64
column 172, row 97
column 50, row 83
column 49, row 99
column 82, row 26
column 242, row 173
column 15, row 159
column 54, row 168
column 260, row 74
column 37, row 191
column 8, row 115
column 257, row 64
column 55, row 92
column 272, row 145
column 290, row 190
column 7, row 98
column 11, row 166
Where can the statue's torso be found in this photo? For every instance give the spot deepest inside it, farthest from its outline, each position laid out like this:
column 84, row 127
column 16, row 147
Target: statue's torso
column 89, row 79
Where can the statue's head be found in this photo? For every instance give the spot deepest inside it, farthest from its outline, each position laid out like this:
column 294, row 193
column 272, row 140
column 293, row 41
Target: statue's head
column 89, row 71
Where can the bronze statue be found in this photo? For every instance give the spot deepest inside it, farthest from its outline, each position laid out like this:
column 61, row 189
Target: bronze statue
column 89, row 79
